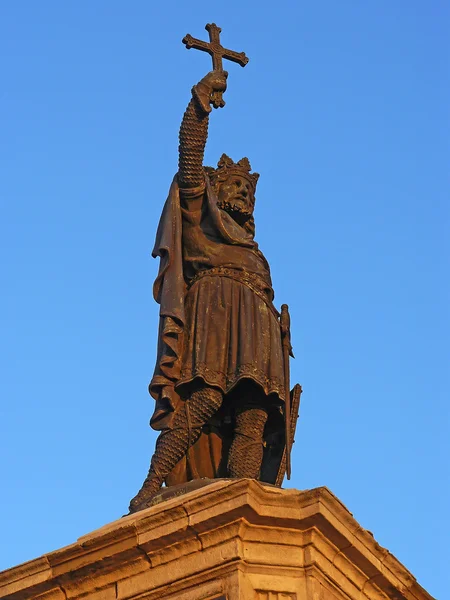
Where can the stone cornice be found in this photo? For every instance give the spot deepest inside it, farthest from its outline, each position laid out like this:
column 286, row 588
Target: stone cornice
column 198, row 536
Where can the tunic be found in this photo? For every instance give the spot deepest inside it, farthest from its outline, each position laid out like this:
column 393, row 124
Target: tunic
column 218, row 322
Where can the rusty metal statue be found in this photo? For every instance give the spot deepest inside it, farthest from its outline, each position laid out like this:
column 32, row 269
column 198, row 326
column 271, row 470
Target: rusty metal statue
column 221, row 381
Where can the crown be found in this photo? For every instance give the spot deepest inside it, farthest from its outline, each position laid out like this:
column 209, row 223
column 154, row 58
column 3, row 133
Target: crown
column 226, row 167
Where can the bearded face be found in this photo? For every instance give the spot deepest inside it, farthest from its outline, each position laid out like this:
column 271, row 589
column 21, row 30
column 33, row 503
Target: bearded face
column 236, row 196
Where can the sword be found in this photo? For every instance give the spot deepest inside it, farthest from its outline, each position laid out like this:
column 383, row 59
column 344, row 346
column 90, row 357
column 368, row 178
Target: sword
column 285, row 324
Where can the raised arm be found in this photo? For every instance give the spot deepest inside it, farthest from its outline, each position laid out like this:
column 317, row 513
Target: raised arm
column 194, row 130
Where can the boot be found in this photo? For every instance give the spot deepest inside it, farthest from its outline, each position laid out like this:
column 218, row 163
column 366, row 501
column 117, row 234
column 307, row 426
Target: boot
column 149, row 489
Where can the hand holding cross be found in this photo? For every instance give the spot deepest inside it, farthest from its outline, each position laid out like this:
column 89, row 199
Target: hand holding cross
column 217, row 52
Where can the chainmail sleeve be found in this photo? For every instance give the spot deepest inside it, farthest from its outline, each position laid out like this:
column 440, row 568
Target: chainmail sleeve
column 193, row 135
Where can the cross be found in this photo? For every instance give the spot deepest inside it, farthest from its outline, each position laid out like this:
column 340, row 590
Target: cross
column 217, row 52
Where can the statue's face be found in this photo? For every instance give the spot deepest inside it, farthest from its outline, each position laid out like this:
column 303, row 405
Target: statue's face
column 236, row 196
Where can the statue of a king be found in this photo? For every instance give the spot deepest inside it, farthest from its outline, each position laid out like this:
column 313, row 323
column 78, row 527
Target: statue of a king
column 219, row 381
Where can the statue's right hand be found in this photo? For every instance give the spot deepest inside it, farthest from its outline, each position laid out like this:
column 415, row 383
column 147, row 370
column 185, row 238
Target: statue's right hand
column 214, row 81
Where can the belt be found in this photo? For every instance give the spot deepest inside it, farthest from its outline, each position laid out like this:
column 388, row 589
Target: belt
column 251, row 280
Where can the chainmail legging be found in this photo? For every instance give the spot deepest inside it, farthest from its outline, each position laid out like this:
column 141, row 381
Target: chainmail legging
column 188, row 421
column 173, row 444
column 246, row 452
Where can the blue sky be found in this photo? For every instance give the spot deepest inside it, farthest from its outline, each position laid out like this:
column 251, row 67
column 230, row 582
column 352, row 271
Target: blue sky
column 343, row 109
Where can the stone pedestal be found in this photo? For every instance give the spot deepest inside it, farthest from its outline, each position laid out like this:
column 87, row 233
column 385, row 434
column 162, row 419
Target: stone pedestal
column 233, row 539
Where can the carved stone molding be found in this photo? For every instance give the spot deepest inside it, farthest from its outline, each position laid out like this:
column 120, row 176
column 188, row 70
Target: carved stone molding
column 233, row 539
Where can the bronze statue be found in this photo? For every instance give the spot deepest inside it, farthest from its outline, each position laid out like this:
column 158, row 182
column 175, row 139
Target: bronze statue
column 221, row 381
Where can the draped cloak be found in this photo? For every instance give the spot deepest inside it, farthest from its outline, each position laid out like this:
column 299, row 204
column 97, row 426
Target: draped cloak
column 191, row 244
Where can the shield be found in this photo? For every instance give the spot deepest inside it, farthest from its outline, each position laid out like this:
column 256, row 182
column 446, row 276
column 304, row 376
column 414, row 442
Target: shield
column 273, row 467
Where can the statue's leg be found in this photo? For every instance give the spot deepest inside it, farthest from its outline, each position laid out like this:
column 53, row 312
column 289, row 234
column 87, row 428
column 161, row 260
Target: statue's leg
column 172, row 444
column 246, row 452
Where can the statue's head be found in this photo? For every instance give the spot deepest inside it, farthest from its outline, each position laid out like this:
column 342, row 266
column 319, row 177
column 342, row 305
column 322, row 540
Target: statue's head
column 235, row 187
